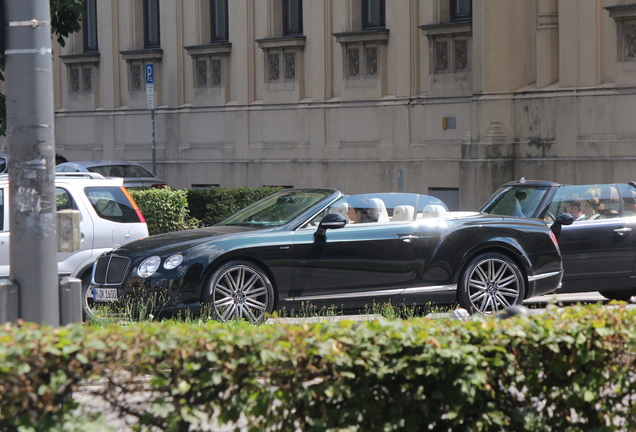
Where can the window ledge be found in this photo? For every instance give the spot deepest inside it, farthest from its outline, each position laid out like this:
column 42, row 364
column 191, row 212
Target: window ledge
column 622, row 12
column 87, row 58
column 376, row 35
column 145, row 54
column 297, row 42
column 447, row 28
column 218, row 48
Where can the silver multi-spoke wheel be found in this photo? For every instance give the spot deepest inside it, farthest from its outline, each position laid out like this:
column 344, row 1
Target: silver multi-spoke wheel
column 491, row 282
column 240, row 291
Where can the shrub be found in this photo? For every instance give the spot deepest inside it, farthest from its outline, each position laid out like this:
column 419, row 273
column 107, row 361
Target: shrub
column 561, row 371
column 164, row 209
column 215, row 204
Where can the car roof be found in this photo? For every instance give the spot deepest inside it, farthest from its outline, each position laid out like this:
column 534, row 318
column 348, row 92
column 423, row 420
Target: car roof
column 98, row 162
column 77, row 176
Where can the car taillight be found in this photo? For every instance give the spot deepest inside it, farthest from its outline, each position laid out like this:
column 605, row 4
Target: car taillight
column 554, row 239
column 158, row 186
column 134, row 205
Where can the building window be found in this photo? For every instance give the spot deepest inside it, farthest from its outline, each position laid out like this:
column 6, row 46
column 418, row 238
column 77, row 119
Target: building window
column 89, row 26
column 151, row 24
column 219, row 20
column 373, row 14
column 292, row 17
column 461, row 10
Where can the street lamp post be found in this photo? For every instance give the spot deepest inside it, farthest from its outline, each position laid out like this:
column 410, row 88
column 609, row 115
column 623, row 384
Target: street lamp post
column 31, row 148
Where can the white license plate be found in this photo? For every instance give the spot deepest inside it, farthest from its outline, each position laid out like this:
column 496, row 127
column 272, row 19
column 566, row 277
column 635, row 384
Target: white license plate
column 104, row 294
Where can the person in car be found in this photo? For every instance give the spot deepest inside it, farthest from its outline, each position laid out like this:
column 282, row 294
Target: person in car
column 360, row 210
column 573, row 207
column 591, row 202
column 629, row 203
column 589, row 208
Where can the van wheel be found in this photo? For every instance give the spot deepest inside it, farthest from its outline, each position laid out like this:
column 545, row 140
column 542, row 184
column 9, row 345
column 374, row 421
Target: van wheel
column 490, row 282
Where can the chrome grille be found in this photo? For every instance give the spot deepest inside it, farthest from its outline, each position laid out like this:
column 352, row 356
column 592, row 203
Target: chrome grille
column 110, row 270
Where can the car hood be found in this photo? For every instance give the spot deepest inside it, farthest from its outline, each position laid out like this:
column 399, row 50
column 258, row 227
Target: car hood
column 181, row 240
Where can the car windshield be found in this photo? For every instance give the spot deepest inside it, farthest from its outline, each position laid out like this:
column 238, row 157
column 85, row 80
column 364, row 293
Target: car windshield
column 518, row 200
column 121, row 171
column 277, row 209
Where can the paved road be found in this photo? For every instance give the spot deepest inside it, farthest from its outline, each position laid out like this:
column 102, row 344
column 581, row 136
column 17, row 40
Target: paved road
column 566, row 299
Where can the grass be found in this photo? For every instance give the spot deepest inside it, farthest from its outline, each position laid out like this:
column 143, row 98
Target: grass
column 136, row 309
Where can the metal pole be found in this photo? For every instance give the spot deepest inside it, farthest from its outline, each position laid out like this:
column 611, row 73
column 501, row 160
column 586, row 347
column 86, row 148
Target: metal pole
column 31, row 145
column 154, row 147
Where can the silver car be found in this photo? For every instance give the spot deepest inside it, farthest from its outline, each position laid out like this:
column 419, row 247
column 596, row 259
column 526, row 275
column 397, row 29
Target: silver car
column 134, row 174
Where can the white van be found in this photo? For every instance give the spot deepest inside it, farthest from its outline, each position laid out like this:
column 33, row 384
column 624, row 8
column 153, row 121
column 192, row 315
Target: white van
column 109, row 217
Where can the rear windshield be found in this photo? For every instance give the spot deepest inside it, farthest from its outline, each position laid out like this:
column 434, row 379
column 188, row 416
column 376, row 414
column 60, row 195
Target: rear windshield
column 121, row 171
column 111, row 203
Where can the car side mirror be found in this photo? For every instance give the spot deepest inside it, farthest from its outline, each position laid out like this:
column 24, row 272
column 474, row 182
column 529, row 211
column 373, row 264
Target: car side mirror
column 331, row 221
column 562, row 219
column 565, row 219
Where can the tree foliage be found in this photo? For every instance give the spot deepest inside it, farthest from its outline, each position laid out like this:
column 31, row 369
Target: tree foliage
column 66, row 18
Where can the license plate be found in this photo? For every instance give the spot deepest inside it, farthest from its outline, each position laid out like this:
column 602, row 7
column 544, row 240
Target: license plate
column 104, row 294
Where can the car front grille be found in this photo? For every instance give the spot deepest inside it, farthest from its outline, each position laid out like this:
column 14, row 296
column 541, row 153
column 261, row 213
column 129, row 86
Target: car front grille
column 110, row 270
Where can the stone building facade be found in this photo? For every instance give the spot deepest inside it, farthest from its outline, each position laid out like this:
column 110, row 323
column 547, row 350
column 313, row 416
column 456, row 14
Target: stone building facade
column 447, row 97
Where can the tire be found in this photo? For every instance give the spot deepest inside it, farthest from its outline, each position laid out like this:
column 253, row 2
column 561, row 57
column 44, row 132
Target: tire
column 490, row 282
column 622, row 295
column 239, row 290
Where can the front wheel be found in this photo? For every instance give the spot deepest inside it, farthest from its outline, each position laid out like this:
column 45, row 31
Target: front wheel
column 239, row 290
column 490, row 282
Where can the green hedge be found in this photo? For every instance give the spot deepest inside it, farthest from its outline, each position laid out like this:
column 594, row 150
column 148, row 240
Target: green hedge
column 164, row 209
column 570, row 370
column 215, row 204
column 167, row 210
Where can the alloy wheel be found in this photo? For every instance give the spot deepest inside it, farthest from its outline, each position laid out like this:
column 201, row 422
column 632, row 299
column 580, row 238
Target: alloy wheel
column 241, row 292
column 493, row 285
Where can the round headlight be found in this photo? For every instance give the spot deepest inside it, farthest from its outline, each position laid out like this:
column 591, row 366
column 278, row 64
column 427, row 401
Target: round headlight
column 149, row 266
column 173, row 262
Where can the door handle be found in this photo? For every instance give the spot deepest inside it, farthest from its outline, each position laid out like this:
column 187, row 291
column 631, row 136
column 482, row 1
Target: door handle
column 622, row 231
column 408, row 238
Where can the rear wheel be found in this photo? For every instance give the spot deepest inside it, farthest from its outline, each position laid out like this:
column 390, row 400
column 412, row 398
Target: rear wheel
column 622, row 295
column 490, row 282
column 239, row 290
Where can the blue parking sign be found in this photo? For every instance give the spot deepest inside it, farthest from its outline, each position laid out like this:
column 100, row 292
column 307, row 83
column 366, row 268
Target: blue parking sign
column 150, row 73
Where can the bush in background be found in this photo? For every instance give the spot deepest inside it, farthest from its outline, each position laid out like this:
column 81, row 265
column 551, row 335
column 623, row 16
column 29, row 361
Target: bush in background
column 215, row 204
column 165, row 209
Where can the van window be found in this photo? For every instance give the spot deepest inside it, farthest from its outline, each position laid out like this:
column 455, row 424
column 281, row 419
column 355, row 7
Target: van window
column 112, row 204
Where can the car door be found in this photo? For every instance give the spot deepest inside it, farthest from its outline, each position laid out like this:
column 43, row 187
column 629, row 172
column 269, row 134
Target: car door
column 598, row 252
column 366, row 261
column 69, row 262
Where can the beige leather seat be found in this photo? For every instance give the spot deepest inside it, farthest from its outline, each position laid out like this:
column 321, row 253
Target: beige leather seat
column 378, row 210
column 403, row 213
column 433, row 211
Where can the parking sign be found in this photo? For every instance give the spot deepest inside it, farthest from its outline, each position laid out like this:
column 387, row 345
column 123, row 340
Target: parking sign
column 150, row 86
column 150, row 73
